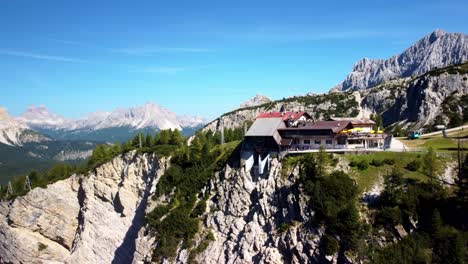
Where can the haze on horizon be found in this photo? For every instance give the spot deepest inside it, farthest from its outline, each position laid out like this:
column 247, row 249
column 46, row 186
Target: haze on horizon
column 202, row 58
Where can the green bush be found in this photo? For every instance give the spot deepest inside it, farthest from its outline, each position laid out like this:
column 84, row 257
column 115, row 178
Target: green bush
column 363, row 165
column 413, row 165
column 376, row 163
column 329, row 245
column 389, row 161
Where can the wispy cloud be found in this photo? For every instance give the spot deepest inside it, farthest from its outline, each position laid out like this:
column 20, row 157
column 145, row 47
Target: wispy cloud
column 146, row 51
column 38, row 56
column 74, row 43
column 169, row 69
column 288, row 35
column 162, row 70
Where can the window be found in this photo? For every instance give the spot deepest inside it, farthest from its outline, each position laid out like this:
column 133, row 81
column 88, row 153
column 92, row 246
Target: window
column 306, row 141
column 317, row 142
column 328, row 142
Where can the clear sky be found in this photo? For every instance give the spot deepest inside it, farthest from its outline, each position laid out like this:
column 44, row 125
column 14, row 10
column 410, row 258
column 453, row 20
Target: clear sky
column 197, row 57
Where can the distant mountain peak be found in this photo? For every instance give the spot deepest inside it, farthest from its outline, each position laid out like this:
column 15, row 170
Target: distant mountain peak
column 435, row 50
column 256, row 100
column 40, row 115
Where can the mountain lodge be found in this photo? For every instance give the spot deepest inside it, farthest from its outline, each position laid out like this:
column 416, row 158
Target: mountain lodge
column 296, row 132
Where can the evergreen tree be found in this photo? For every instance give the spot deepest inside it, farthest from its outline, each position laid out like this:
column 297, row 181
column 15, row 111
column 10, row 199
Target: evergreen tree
column 149, row 140
column 176, row 137
column 322, row 161
column 430, row 164
column 436, row 223
column 164, row 137
column 116, row 150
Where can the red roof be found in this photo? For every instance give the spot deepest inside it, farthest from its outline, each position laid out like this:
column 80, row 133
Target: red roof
column 286, row 115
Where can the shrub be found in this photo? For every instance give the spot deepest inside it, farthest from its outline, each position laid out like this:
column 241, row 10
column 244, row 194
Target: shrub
column 390, row 216
column 41, row 246
column 389, row 161
column 362, row 165
column 376, row 163
column 353, row 163
column 413, row 165
column 329, row 245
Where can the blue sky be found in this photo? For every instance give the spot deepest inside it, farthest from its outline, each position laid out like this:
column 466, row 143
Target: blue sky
column 197, row 57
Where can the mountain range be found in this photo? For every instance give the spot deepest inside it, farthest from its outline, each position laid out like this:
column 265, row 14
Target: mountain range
column 39, row 138
column 118, row 125
column 146, row 207
column 436, row 50
column 426, row 85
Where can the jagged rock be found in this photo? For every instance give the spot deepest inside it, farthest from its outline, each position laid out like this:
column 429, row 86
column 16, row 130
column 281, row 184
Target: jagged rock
column 257, row 100
column 251, row 212
column 436, row 50
column 416, row 102
column 95, row 218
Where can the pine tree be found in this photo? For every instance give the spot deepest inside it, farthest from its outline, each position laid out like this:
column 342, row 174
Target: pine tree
column 116, row 150
column 322, row 161
column 164, row 137
column 149, row 141
column 436, row 222
column 430, row 163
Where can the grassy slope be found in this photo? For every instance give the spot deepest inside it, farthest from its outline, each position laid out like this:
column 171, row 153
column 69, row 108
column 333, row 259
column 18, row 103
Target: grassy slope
column 370, row 176
column 438, row 142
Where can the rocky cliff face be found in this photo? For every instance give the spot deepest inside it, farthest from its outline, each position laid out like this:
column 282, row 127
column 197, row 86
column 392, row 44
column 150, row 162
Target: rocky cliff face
column 415, row 102
column 436, row 50
column 95, row 218
column 99, row 218
column 258, row 219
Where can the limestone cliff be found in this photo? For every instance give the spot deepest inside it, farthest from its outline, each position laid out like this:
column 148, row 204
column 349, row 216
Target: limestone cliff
column 436, row 50
column 413, row 102
column 94, row 218
column 258, row 219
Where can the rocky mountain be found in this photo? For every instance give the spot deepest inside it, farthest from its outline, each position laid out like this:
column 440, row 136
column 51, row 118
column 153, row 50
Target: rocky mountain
column 118, row 125
column 435, row 97
column 100, row 217
column 95, row 218
column 256, row 100
column 436, row 50
column 14, row 133
column 23, row 149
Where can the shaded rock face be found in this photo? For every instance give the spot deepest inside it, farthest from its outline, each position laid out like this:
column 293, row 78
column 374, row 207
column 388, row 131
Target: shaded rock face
column 258, row 219
column 97, row 218
column 438, row 49
column 414, row 102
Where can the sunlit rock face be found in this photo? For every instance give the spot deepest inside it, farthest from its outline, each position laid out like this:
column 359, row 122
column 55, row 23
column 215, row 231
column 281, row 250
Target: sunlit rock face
column 95, row 218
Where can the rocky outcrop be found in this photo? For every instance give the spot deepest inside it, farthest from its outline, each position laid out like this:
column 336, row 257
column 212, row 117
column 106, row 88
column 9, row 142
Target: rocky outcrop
column 414, row 102
column 436, row 50
column 94, row 218
column 257, row 100
column 258, row 219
